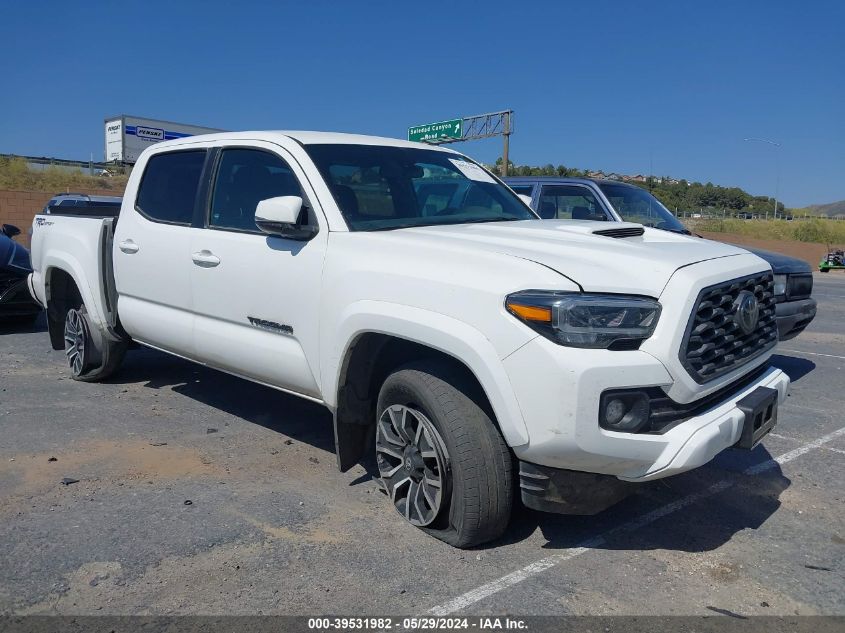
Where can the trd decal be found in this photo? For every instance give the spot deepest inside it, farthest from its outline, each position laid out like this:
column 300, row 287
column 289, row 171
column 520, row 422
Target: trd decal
column 271, row 325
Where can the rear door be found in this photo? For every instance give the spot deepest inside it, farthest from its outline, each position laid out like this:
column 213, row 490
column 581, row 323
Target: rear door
column 152, row 261
column 256, row 297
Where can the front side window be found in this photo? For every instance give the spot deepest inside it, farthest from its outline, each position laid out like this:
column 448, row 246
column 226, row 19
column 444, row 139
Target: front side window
column 569, row 202
column 638, row 205
column 382, row 188
column 169, row 186
column 245, row 177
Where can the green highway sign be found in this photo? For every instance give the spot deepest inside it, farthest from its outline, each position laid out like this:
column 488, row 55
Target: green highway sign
column 437, row 132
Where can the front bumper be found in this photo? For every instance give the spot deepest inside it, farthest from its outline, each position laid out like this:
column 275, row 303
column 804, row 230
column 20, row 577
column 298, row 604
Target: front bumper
column 559, row 391
column 793, row 316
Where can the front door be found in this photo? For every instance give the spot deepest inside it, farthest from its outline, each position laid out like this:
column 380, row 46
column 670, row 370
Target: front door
column 256, row 297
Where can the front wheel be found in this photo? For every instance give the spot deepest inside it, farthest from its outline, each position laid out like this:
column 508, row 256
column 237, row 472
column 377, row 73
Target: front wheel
column 90, row 355
column 441, row 458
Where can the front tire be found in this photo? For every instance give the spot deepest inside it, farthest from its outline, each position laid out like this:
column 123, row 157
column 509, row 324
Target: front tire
column 90, row 355
column 441, row 458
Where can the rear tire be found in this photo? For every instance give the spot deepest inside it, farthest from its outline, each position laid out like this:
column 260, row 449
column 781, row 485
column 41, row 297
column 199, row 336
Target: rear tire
column 459, row 444
column 91, row 356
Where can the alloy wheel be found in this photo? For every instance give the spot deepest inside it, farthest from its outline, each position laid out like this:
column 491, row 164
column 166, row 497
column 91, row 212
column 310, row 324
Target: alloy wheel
column 75, row 348
column 412, row 461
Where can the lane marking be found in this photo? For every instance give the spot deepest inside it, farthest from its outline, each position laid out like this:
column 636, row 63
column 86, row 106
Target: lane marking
column 796, row 351
column 835, row 450
column 783, row 437
column 515, row 577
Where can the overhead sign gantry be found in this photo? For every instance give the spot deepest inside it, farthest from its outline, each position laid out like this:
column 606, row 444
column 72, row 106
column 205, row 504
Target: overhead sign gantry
column 468, row 128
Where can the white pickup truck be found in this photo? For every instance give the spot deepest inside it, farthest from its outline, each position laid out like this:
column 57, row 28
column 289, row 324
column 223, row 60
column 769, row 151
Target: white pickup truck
column 467, row 345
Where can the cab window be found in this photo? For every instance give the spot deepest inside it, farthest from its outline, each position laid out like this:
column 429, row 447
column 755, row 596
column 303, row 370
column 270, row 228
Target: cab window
column 244, row 178
column 168, row 189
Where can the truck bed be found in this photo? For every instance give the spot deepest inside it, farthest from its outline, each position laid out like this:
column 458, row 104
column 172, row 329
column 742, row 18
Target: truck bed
column 89, row 210
column 81, row 245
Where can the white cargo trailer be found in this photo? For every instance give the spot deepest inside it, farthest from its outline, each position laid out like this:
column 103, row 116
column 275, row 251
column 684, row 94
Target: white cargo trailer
column 127, row 136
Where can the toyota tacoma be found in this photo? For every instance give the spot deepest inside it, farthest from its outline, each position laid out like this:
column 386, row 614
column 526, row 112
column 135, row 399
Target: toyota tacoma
column 474, row 351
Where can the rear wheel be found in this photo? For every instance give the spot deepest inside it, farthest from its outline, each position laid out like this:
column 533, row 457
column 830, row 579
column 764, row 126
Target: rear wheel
column 442, row 461
column 90, row 355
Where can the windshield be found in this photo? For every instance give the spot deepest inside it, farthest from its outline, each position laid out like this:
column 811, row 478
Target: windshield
column 380, row 188
column 638, row 205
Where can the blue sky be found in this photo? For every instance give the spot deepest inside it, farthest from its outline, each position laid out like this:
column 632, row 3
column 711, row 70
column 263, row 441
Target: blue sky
column 617, row 86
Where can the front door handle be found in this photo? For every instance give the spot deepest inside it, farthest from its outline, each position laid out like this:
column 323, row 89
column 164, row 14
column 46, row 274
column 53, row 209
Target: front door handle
column 128, row 246
column 205, row 259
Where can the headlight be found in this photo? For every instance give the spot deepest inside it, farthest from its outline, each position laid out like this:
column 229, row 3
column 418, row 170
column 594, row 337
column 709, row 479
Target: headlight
column 780, row 285
column 586, row 320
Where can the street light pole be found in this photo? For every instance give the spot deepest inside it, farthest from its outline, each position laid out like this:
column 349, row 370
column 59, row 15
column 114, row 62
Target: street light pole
column 777, row 167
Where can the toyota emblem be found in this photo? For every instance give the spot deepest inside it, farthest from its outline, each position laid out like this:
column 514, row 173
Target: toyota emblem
column 746, row 311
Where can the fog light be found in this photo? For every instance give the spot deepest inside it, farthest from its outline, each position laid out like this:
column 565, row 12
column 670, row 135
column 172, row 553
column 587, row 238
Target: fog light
column 614, row 411
column 624, row 410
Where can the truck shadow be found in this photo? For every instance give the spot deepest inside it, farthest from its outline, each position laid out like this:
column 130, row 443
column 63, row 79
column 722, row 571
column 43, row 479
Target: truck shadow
column 304, row 421
column 711, row 520
column 697, row 511
column 794, row 366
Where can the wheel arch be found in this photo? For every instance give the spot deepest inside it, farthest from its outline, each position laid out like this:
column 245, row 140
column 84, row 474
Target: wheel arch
column 62, row 293
column 386, row 340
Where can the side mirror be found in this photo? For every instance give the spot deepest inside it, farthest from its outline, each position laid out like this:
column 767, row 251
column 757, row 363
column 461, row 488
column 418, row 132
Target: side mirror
column 525, row 199
column 10, row 230
column 283, row 217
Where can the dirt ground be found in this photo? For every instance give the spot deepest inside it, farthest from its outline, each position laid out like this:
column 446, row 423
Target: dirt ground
column 198, row 493
column 810, row 252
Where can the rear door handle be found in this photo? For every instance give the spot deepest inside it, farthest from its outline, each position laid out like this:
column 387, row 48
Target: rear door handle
column 128, row 246
column 205, row 259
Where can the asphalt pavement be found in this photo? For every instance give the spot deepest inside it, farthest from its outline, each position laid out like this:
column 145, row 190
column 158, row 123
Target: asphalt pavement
column 200, row 493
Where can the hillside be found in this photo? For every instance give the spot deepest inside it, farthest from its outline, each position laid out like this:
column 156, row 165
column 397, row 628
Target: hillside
column 677, row 194
column 16, row 175
column 832, row 209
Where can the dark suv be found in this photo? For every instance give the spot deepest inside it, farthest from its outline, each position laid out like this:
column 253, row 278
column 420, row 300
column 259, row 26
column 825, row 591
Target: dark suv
column 614, row 201
column 16, row 304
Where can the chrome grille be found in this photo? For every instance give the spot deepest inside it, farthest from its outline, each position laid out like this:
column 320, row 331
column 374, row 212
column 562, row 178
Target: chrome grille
column 714, row 343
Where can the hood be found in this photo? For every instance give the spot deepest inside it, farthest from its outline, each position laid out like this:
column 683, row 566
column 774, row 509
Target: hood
column 782, row 264
column 640, row 264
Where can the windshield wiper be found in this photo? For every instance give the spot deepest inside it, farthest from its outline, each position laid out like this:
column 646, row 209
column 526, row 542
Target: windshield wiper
column 415, row 226
column 480, row 220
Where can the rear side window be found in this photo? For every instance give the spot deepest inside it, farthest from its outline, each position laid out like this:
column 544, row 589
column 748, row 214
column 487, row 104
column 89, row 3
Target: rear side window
column 245, row 178
column 169, row 186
